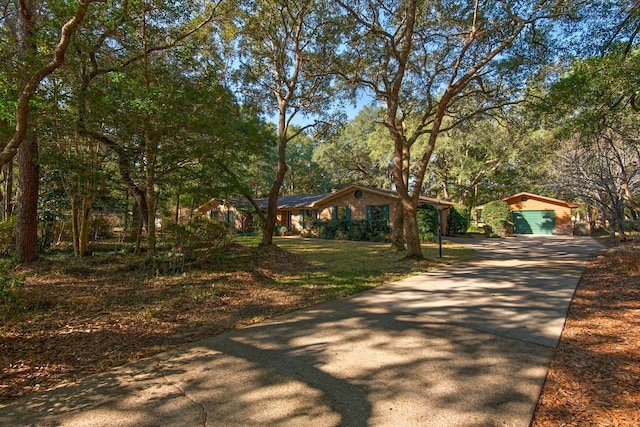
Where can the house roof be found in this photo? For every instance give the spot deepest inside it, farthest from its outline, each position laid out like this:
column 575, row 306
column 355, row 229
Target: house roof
column 543, row 198
column 311, row 201
column 380, row 191
column 298, row 201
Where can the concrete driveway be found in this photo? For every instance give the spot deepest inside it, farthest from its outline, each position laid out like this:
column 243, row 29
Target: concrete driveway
column 466, row 345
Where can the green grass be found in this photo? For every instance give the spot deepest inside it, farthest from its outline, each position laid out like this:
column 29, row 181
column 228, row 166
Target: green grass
column 337, row 268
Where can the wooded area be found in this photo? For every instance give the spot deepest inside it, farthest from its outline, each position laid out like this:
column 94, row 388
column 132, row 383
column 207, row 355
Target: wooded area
column 116, row 115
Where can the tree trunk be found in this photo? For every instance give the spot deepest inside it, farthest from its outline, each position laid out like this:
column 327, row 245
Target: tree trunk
column 151, row 223
column 619, row 217
column 27, row 225
column 411, row 233
column 150, row 194
column 397, row 229
column 7, row 201
column 177, row 218
column 85, row 211
column 75, row 225
column 272, row 204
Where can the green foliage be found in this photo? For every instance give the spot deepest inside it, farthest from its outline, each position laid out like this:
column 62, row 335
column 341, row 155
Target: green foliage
column 358, row 230
column 458, row 221
column 427, row 216
column 497, row 219
column 7, row 236
column 53, row 208
column 9, row 284
column 11, row 289
column 198, row 236
column 632, row 226
column 359, row 152
column 280, row 230
column 303, row 174
column 185, row 243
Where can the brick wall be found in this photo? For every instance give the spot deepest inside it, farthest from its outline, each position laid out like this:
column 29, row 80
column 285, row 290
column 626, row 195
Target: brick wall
column 358, row 206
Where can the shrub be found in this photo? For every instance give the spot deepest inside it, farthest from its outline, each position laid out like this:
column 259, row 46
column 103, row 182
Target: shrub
column 632, row 226
column 11, row 287
column 427, row 217
column 7, row 236
column 280, row 230
column 497, row 219
column 458, row 221
column 201, row 234
column 360, row 230
column 10, row 283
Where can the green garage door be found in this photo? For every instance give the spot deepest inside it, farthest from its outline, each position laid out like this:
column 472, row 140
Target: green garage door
column 534, row 222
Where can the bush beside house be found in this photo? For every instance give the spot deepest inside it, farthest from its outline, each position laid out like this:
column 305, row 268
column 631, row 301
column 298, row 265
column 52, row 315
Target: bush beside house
column 497, row 219
column 427, row 216
column 458, row 222
column 359, row 230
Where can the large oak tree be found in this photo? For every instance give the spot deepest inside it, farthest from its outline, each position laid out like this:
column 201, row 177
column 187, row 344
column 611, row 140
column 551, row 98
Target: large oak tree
column 428, row 62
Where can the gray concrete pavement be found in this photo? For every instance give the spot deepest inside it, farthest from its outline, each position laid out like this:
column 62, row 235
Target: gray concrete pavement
column 466, row 345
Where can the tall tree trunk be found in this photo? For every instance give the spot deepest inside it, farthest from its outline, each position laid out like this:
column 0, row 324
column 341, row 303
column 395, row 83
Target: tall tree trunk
column 619, row 217
column 397, row 229
column 7, row 201
column 411, row 233
column 398, row 237
column 151, row 150
column 612, row 225
column 141, row 201
column 272, row 204
column 28, row 184
column 177, row 218
column 150, row 154
column 75, row 224
column 28, row 174
column 85, row 213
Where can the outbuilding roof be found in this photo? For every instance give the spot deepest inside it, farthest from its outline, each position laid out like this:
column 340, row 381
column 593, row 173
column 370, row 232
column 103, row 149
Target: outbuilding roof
column 542, row 198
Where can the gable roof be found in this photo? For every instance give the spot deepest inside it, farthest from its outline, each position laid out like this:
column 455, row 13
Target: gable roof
column 311, row 201
column 542, row 198
column 381, row 192
column 298, row 201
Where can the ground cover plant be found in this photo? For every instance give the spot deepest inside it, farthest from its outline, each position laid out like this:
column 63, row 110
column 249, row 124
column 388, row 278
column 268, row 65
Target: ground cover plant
column 65, row 318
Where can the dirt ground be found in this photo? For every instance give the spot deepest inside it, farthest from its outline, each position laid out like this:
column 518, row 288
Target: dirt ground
column 84, row 319
column 594, row 379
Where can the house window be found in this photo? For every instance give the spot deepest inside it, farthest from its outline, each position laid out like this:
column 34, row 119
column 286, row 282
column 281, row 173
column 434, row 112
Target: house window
column 341, row 213
column 307, row 217
column 213, row 215
column 358, row 194
column 378, row 214
column 230, row 217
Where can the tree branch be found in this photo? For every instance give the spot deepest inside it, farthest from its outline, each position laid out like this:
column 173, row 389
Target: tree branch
column 28, row 91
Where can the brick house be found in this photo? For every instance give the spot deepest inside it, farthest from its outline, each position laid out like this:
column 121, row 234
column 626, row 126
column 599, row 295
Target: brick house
column 352, row 203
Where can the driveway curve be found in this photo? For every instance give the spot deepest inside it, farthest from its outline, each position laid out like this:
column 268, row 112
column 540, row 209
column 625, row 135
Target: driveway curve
column 465, row 345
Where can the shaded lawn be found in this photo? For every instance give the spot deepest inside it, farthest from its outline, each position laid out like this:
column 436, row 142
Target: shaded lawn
column 77, row 317
column 340, row 268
